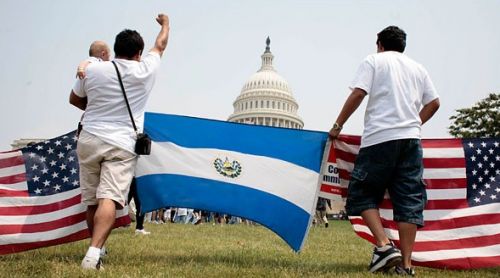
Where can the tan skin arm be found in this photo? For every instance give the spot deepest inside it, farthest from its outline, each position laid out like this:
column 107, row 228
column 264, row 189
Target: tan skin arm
column 162, row 38
column 79, row 102
column 428, row 110
column 80, row 72
column 351, row 104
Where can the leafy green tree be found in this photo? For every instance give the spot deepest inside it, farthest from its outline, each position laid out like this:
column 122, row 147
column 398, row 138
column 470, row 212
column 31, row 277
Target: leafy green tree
column 481, row 120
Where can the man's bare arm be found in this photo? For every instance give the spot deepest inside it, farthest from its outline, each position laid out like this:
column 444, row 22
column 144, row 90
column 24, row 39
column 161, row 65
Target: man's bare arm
column 80, row 72
column 351, row 104
column 428, row 110
column 79, row 102
column 162, row 38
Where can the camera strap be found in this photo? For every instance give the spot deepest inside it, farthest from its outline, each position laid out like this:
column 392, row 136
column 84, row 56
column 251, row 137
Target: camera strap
column 125, row 96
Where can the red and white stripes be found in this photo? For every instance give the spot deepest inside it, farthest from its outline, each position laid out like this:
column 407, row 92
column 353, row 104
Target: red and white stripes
column 455, row 235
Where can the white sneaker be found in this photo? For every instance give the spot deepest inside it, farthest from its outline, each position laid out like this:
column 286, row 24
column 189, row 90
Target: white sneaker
column 91, row 263
column 104, row 252
column 142, row 232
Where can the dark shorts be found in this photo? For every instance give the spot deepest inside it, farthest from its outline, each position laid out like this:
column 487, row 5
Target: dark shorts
column 395, row 166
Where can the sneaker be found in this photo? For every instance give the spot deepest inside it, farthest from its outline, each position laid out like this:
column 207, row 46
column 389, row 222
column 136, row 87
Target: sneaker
column 104, row 252
column 142, row 232
column 91, row 263
column 405, row 271
column 384, row 258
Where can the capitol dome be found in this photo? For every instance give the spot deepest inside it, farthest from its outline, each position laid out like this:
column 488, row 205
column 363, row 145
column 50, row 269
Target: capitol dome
column 266, row 98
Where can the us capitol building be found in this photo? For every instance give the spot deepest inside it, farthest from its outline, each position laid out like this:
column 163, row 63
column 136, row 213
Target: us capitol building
column 266, row 99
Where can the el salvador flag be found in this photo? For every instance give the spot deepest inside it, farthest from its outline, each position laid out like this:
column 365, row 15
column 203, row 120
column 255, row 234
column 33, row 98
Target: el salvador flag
column 265, row 174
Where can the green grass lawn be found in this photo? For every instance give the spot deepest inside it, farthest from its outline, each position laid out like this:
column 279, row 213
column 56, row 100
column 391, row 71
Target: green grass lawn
column 176, row 250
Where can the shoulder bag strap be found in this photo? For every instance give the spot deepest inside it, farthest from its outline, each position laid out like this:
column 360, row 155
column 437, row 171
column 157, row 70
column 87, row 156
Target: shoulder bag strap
column 125, row 96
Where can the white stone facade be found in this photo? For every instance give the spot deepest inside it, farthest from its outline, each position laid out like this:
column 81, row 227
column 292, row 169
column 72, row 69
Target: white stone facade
column 266, row 99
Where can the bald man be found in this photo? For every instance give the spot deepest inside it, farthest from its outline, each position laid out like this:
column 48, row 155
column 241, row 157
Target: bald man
column 98, row 51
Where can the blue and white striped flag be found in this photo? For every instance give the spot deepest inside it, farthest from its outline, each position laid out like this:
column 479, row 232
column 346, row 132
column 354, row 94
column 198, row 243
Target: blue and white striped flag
column 265, row 174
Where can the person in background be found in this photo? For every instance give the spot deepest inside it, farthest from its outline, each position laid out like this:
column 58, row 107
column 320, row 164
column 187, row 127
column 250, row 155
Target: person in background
column 321, row 206
column 158, row 216
column 139, row 216
column 105, row 146
column 401, row 98
column 98, row 52
column 196, row 217
column 180, row 215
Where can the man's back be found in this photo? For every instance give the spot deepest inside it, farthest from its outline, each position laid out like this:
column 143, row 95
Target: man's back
column 106, row 115
column 401, row 99
column 105, row 146
column 397, row 88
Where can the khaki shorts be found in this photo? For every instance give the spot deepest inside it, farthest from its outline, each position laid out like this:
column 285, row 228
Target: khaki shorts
column 106, row 171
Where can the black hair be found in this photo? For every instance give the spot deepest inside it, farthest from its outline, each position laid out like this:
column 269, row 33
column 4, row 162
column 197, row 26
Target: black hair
column 392, row 38
column 128, row 43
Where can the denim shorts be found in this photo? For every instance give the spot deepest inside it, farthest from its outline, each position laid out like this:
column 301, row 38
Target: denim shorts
column 395, row 166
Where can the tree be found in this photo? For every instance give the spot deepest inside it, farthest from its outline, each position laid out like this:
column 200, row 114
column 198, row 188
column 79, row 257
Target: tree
column 481, row 120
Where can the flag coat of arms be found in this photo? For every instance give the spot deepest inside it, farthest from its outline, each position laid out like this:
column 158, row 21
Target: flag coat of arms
column 265, row 174
column 462, row 215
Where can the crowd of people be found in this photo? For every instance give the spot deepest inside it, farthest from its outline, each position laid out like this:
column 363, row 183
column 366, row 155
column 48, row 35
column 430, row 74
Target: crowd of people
column 166, row 215
column 183, row 216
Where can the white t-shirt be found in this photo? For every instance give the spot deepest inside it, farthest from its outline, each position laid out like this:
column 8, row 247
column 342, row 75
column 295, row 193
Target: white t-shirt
column 106, row 115
column 397, row 89
column 93, row 59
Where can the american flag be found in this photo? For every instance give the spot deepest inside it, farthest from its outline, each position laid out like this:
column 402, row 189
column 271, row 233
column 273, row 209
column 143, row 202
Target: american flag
column 40, row 200
column 462, row 215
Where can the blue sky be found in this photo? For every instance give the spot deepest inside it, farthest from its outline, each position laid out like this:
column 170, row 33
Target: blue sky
column 215, row 46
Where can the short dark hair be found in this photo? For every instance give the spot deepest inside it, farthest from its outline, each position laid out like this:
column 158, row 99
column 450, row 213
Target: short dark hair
column 392, row 38
column 128, row 43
